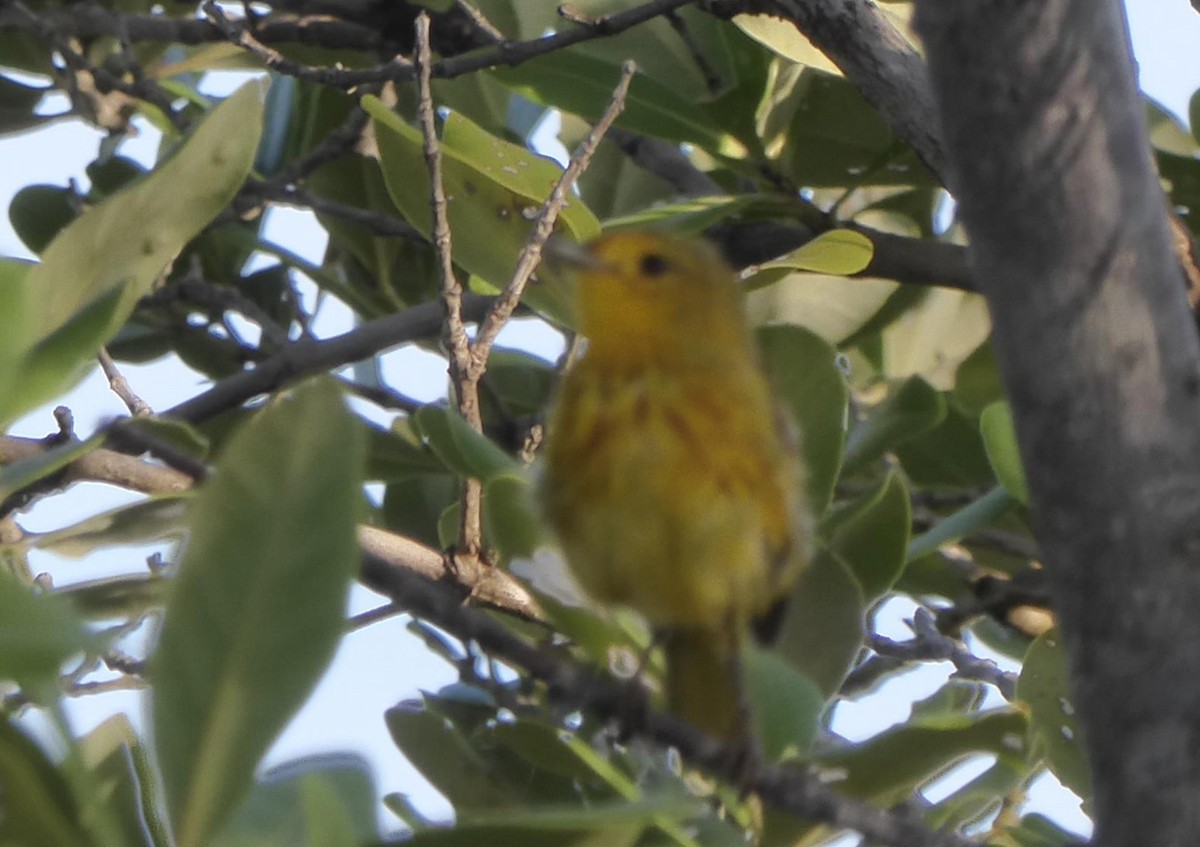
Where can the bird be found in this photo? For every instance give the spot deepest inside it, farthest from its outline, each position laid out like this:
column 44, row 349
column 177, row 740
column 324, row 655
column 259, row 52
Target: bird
column 672, row 481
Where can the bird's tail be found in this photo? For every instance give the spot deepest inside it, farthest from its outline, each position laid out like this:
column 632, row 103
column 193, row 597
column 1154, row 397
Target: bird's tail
column 704, row 681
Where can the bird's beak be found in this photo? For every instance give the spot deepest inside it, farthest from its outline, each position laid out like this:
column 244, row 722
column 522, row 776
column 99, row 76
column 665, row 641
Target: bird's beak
column 560, row 250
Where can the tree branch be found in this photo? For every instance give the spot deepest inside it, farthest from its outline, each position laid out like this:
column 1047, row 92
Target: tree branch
column 306, row 357
column 1048, row 159
column 783, row 787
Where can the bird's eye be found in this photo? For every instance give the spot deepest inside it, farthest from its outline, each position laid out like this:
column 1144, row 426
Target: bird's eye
column 654, row 264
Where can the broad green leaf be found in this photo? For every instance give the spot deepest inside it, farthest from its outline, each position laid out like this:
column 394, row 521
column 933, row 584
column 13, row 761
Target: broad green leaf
column 977, row 383
column 1000, row 440
column 786, row 39
column 806, row 378
column 396, row 452
column 873, row 539
column 61, row 357
column 833, row 307
column 38, row 806
column 128, row 239
column 823, row 628
column 693, row 215
column 144, row 522
column 1038, row 831
column 124, row 781
column 510, row 515
column 583, row 84
column 322, row 801
column 40, row 632
column 489, row 220
column 413, row 504
column 1045, row 684
column 515, row 168
column 462, row 449
column 951, row 455
column 446, row 758
column 979, row 797
column 886, row 768
column 786, row 704
column 119, row 597
column 519, row 382
column 825, row 134
column 1166, row 132
column 840, row 252
column 18, row 475
column 257, row 607
column 39, row 213
column 18, row 104
column 911, row 408
column 934, row 337
column 970, row 518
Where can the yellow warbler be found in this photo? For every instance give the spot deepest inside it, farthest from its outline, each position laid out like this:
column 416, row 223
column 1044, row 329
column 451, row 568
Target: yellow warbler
column 669, row 481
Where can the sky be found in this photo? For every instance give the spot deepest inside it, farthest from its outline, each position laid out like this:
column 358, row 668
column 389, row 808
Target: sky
column 345, row 713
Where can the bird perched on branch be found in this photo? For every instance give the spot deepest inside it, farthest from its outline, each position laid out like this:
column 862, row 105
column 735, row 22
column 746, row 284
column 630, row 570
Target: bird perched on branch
column 670, row 481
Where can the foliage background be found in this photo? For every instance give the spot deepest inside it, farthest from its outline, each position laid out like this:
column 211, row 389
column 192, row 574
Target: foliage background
column 923, row 393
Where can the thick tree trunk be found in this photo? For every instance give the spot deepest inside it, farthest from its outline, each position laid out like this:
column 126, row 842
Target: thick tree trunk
column 1048, row 156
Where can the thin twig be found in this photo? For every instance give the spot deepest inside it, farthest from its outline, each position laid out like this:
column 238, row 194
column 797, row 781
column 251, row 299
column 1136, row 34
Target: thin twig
column 931, row 645
column 105, row 80
column 507, row 53
column 531, row 253
column 454, row 333
column 120, row 386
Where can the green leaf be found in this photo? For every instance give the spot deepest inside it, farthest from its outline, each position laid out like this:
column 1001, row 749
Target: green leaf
column 124, row 781
column 18, row 105
column 911, row 408
column 967, row 520
column 128, row 239
column 787, row 705
column 693, row 215
column 446, row 758
column 576, row 82
column 873, row 538
column 322, row 801
column 38, row 806
column 977, row 383
column 489, row 201
column 462, row 449
column 1000, row 441
column 823, row 628
column 412, row 505
column 257, row 607
column 840, row 252
column 515, row 168
column 805, row 375
column 18, row 475
column 833, row 307
column 932, row 338
column 1045, row 684
column 40, row 632
column 39, row 213
column 146, row 521
column 831, row 136
column 510, row 515
column 61, row 357
column 951, row 455
column 886, row 768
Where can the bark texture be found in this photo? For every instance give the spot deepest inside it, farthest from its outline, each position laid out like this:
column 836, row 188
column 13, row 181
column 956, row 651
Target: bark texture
column 1048, row 157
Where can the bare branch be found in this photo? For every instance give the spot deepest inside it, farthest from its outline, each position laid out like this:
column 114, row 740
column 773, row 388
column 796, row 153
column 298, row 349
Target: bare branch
column 454, row 331
column 306, row 357
column 783, row 787
column 121, row 387
column 531, row 253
